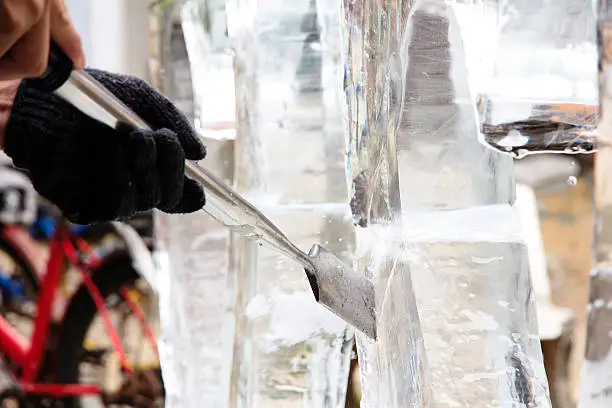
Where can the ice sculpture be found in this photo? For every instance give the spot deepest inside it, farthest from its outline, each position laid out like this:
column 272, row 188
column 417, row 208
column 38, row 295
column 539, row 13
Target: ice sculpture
column 288, row 350
column 195, row 289
column 597, row 365
column 437, row 229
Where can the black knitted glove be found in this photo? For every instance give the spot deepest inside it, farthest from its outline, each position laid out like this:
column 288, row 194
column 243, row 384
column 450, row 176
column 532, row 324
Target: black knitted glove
column 95, row 173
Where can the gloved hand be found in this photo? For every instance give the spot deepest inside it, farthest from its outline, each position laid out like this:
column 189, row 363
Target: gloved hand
column 95, row 173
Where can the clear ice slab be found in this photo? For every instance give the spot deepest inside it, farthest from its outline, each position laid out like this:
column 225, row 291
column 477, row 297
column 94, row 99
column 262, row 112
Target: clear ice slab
column 477, row 309
column 465, row 334
column 196, row 289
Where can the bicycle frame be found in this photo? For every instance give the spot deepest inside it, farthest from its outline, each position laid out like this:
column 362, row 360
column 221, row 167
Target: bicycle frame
column 29, row 356
column 136, row 310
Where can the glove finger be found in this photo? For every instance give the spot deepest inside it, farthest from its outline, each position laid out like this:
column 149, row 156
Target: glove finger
column 163, row 114
column 170, row 165
column 193, row 198
column 157, row 110
column 166, row 115
column 194, row 148
column 141, row 148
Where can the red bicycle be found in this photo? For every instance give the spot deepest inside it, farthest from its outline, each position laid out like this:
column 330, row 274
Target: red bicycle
column 45, row 366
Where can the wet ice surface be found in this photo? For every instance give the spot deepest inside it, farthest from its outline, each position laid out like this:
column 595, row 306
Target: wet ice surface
column 392, row 368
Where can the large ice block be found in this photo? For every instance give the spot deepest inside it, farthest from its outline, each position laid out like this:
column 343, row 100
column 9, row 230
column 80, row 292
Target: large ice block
column 201, row 293
column 458, row 254
column 193, row 250
column 288, row 350
column 287, row 61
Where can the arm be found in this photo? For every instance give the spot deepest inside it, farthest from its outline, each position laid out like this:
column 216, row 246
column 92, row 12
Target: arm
column 7, row 94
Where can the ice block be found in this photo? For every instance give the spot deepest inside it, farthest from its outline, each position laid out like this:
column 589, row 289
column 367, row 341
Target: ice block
column 288, row 350
column 444, row 204
column 193, row 250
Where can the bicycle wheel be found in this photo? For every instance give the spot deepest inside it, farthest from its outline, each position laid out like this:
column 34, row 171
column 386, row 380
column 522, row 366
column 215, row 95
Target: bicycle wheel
column 20, row 261
column 82, row 326
column 20, row 285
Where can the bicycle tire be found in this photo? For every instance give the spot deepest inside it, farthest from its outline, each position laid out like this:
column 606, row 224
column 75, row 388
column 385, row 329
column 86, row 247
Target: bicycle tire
column 79, row 316
column 24, row 265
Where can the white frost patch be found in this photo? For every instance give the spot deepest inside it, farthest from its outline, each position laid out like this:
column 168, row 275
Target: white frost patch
column 258, row 306
column 599, row 303
column 478, row 321
column 466, row 225
column 504, row 304
column 551, row 319
column 293, row 318
column 486, row 261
